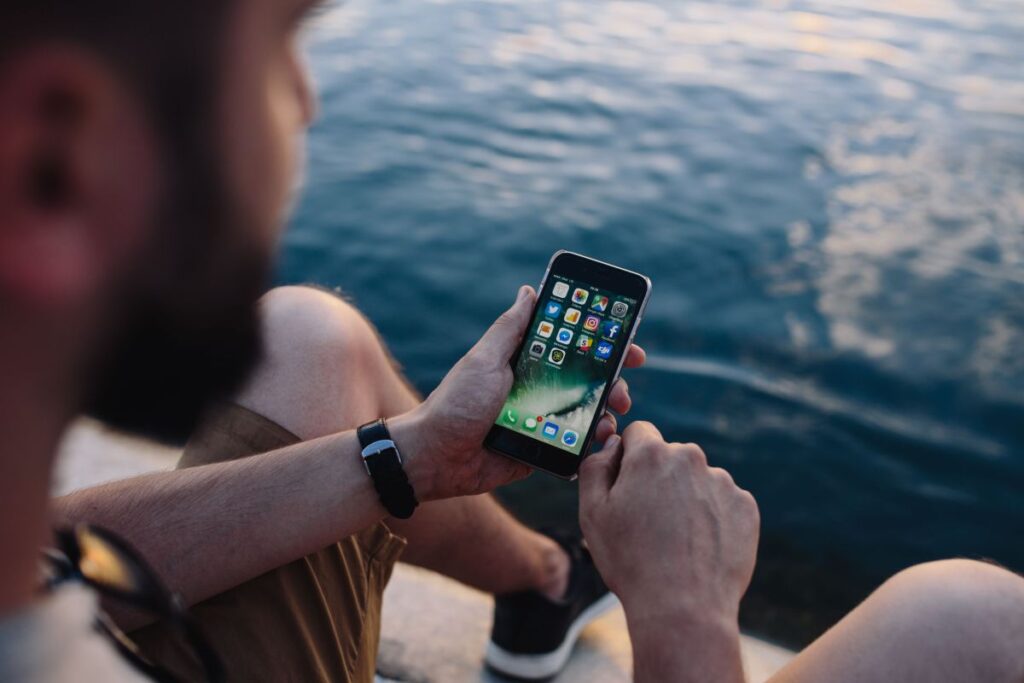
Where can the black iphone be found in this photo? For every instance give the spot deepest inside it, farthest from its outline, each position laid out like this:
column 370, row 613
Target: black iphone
column 585, row 320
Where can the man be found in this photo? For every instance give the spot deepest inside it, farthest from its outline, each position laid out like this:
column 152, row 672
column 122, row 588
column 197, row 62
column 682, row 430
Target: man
column 148, row 157
column 146, row 153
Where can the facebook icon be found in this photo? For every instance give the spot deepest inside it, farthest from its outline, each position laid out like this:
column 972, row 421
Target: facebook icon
column 611, row 329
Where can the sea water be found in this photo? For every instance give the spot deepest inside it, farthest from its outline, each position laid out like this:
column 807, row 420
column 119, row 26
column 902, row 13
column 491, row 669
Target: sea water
column 827, row 195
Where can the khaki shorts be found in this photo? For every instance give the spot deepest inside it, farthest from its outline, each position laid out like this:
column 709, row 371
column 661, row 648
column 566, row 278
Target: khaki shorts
column 315, row 619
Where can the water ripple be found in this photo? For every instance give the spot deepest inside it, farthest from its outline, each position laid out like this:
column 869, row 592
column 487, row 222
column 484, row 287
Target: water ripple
column 828, row 195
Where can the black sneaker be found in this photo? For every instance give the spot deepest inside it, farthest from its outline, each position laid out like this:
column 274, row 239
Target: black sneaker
column 532, row 636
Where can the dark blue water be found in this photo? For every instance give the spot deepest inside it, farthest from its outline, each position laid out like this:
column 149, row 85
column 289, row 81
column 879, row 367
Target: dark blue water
column 828, row 196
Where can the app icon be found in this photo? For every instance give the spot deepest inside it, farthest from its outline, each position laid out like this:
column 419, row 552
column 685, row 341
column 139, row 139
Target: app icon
column 564, row 336
column 545, row 329
column 572, row 316
column 510, row 416
column 530, row 423
column 560, row 289
column 537, row 348
column 611, row 329
column 556, row 356
column 603, row 350
column 591, row 323
column 619, row 309
column 599, row 304
column 550, row 430
column 553, row 309
column 569, row 437
column 584, row 343
column 580, row 296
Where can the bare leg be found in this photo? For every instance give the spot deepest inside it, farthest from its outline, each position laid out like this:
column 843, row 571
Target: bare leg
column 943, row 622
column 327, row 370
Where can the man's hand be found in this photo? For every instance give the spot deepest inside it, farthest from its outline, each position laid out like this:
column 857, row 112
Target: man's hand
column 442, row 438
column 676, row 540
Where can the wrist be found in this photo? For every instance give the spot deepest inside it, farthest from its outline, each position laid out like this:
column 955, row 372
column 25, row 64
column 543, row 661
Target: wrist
column 656, row 610
column 409, row 432
column 685, row 645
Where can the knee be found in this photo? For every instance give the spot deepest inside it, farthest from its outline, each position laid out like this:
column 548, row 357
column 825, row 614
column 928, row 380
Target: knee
column 315, row 329
column 979, row 606
column 962, row 584
column 322, row 363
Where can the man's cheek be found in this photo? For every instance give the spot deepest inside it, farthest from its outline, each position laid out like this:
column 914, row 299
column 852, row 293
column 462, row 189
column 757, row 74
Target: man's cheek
column 285, row 154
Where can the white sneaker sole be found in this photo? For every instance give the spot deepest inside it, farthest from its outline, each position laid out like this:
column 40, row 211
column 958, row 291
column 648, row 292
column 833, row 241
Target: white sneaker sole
column 550, row 663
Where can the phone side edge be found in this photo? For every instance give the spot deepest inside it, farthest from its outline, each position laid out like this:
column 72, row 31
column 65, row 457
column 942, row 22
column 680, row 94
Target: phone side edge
column 585, row 453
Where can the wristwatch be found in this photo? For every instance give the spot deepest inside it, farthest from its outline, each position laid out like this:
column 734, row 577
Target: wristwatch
column 384, row 465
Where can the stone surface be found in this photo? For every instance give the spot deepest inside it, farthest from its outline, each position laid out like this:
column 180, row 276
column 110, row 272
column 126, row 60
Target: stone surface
column 92, row 454
column 434, row 629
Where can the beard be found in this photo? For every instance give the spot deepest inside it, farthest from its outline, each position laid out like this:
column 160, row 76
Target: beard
column 185, row 332
column 180, row 326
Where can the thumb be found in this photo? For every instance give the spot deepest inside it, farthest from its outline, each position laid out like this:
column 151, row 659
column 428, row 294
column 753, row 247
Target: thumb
column 599, row 471
column 503, row 337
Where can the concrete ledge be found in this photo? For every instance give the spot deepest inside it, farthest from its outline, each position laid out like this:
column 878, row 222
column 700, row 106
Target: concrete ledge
column 92, row 454
column 434, row 629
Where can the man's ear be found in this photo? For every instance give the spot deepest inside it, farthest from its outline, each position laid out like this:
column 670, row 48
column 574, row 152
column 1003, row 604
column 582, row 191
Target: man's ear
column 77, row 177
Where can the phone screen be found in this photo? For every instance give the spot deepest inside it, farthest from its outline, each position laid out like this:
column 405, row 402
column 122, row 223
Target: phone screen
column 570, row 353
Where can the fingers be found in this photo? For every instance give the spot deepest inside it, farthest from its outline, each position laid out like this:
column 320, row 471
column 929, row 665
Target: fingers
column 619, row 399
column 640, row 432
column 518, row 472
column 642, row 444
column 502, row 471
column 605, row 428
column 635, row 357
column 503, row 337
column 722, row 477
column 598, row 471
column 644, row 452
column 694, row 454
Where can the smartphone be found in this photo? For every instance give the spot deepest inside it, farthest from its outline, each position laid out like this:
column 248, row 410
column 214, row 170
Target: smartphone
column 586, row 316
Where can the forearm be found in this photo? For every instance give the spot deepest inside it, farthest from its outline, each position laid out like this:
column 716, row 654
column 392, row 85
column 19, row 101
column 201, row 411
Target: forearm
column 684, row 645
column 207, row 529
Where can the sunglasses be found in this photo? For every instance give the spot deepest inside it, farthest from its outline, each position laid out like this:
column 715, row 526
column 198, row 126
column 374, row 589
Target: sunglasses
column 110, row 566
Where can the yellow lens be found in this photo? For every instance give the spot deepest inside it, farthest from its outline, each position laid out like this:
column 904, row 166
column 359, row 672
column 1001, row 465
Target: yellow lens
column 102, row 563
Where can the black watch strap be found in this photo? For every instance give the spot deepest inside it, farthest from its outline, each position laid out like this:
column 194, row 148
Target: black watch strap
column 384, row 465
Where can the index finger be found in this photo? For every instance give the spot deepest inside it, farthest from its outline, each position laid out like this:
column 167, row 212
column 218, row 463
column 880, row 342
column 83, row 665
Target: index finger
column 598, row 470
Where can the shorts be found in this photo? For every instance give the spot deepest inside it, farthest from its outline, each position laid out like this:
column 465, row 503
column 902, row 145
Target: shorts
column 315, row 619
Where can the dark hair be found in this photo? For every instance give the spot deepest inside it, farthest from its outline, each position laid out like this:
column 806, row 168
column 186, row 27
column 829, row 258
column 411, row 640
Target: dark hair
column 163, row 50
column 186, row 331
column 168, row 54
